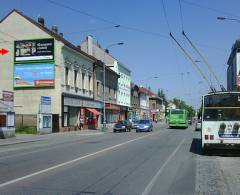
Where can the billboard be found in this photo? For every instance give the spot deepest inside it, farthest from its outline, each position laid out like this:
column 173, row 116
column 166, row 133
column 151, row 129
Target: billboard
column 34, row 50
column 33, row 75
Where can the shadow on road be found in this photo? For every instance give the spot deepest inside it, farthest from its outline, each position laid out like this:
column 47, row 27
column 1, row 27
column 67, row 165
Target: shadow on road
column 196, row 148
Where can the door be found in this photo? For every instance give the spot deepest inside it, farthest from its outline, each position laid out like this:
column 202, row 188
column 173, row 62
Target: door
column 55, row 123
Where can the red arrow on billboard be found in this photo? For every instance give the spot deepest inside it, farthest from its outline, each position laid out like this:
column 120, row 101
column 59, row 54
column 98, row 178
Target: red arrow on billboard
column 3, row 51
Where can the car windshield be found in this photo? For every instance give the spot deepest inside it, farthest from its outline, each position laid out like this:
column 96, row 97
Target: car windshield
column 144, row 122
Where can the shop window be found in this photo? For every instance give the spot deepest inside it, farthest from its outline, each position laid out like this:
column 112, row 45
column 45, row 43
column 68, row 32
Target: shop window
column 115, row 94
column 3, row 120
column 66, row 76
column 47, row 121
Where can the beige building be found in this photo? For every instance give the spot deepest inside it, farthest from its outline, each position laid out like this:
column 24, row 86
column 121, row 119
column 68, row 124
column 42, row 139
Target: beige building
column 40, row 63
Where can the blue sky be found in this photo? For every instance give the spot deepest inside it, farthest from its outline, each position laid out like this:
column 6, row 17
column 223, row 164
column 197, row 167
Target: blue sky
column 149, row 55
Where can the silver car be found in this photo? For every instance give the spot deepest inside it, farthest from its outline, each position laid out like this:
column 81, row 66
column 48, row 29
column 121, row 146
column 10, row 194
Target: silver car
column 144, row 126
column 198, row 125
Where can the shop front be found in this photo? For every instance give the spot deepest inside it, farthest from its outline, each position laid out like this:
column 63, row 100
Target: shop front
column 112, row 113
column 79, row 113
column 123, row 113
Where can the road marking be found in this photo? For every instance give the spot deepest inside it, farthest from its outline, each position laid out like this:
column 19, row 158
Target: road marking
column 86, row 134
column 154, row 179
column 72, row 161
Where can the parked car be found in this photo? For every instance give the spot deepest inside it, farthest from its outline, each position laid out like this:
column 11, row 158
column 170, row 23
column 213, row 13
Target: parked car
column 144, row 125
column 198, row 125
column 189, row 121
column 122, row 126
column 135, row 124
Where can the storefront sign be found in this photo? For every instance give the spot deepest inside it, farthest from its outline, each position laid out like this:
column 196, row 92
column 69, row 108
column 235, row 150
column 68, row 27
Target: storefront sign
column 32, row 50
column 33, row 75
column 112, row 107
column 69, row 101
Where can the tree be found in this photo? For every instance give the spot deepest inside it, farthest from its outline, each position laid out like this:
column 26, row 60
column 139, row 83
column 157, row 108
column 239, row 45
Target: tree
column 161, row 94
column 180, row 104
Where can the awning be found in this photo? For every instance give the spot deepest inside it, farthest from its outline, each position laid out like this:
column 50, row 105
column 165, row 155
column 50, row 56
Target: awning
column 94, row 111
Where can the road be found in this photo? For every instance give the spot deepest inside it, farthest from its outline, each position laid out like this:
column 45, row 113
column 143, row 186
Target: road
column 165, row 161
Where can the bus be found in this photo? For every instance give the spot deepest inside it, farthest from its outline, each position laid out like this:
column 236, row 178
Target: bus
column 178, row 118
column 220, row 120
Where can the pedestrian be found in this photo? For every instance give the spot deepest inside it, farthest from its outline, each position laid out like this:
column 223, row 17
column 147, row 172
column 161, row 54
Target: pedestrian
column 81, row 123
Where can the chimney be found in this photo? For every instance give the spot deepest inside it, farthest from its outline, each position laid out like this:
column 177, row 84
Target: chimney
column 106, row 50
column 41, row 20
column 90, row 45
column 61, row 34
column 55, row 29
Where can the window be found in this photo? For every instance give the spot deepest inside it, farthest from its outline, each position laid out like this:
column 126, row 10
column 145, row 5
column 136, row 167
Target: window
column 66, row 76
column 98, row 91
column 115, row 94
column 109, row 90
column 89, row 83
column 83, row 79
column 75, row 78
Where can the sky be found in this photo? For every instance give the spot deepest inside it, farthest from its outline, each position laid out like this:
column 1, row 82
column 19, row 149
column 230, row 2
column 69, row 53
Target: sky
column 149, row 52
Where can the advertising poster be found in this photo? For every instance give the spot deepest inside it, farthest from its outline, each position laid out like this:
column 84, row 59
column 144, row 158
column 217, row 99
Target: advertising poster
column 33, row 50
column 33, row 75
column 6, row 100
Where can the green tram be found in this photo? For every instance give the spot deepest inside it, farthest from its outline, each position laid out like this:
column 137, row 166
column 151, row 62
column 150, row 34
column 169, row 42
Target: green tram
column 178, row 118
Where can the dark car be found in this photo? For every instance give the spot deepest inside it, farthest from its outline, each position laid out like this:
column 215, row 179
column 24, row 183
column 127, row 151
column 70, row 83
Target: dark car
column 122, row 126
column 144, row 126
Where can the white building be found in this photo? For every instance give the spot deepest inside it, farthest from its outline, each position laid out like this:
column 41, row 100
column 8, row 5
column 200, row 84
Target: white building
column 124, row 82
column 233, row 71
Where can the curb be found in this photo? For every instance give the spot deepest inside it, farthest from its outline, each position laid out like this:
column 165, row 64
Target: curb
column 20, row 142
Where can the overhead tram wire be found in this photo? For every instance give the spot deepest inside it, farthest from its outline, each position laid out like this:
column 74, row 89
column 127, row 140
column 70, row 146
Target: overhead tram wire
column 173, row 48
column 181, row 15
column 193, row 62
column 204, row 60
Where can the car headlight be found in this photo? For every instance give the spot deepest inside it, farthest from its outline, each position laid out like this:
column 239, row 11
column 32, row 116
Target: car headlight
column 123, row 127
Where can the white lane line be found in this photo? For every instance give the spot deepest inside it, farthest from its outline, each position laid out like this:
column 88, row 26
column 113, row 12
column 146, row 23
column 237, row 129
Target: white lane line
column 72, row 161
column 149, row 187
column 87, row 134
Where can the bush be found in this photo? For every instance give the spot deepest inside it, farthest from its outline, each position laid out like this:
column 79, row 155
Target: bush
column 26, row 130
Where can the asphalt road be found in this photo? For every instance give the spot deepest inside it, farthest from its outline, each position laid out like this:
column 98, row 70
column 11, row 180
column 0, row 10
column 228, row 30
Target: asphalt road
column 165, row 161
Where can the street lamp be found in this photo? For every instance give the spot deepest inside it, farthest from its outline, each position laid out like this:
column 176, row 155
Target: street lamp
column 224, row 18
column 104, row 82
column 147, row 79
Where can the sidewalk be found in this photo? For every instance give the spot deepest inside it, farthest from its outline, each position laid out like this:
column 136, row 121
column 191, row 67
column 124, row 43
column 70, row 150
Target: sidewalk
column 27, row 138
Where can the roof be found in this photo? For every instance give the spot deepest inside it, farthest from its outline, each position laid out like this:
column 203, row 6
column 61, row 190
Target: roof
column 51, row 33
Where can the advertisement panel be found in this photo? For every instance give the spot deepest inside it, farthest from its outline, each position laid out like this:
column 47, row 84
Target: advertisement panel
column 33, row 75
column 6, row 100
column 33, row 50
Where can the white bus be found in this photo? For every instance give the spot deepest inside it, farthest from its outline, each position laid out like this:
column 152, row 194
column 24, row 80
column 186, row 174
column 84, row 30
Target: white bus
column 221, row 120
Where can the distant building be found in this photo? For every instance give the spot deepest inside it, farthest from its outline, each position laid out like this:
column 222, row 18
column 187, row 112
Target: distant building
column 233, row 71
column 144, row 102
column 124, row 81
column 112, row 109
column 135, row 111
column 157, row 111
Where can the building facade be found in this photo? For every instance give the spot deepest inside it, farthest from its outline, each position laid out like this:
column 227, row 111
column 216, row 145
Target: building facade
column 124, row 81
column 43, row 63
column 233, row 70
column 144, row 102
column 156, row 107
column 112, row 109
column 135, row 111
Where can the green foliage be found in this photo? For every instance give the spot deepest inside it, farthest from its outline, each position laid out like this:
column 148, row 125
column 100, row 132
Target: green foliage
column 26, row 130
column 182, row 105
